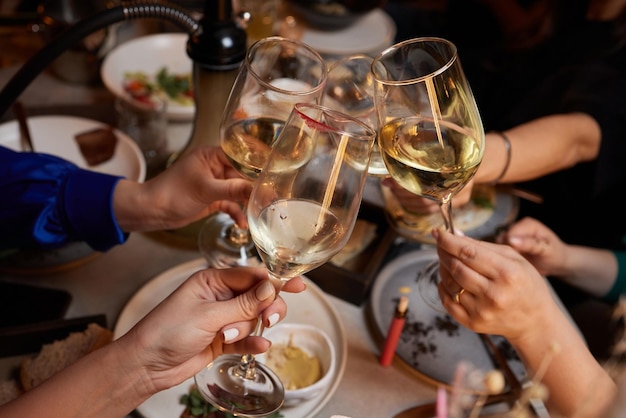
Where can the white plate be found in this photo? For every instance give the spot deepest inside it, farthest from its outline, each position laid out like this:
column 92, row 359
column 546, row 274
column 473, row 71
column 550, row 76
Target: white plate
column 369, row 35
column 55, row 135
column 311, row 307
column 432, row 343
column 149, row 54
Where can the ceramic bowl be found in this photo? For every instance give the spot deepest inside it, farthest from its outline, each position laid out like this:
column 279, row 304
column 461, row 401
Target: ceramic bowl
column 315, row 343
column 149, row 54
column 332, row 14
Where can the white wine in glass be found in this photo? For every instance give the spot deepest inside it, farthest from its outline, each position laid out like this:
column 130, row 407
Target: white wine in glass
column 301, row 212
column 276, row 74
column 431, row 135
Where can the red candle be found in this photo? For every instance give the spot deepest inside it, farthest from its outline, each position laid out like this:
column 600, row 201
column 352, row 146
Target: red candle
column 395, row 330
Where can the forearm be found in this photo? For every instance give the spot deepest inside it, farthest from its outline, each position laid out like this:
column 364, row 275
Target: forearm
column 98, row 385
column 577, row 383
column 133, row 210
column 540, row 147
column 590, row 269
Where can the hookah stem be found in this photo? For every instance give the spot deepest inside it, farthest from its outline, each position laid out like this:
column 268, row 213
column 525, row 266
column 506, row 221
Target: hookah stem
column 248, row 362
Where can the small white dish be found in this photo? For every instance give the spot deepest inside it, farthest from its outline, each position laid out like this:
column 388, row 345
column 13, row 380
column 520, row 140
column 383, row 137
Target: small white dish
column 369, row 35
column 149, row 54
column 315, row 343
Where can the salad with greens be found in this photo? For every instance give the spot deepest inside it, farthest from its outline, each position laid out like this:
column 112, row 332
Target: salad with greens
column 175, row 88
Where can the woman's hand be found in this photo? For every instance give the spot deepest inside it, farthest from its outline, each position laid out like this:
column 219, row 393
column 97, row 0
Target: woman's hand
column 538, row 244
column 420, row 205
column 593, row 270
column 212, row 313
column 199, row 183
column 504, row 294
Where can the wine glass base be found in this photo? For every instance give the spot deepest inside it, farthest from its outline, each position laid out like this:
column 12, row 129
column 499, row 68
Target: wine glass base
column 219, row 250
column 221, row 384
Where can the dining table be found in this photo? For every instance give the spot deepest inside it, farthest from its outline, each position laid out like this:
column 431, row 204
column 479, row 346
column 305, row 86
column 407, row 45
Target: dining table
column 104, row 283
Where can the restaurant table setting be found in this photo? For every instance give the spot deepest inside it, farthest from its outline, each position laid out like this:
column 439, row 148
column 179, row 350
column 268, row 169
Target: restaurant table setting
column 353, row 302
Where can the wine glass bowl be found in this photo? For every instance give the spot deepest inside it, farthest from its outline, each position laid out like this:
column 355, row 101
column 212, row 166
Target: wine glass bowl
column 431, row 135
column 301, row 212
column 305, row 202
column 350, row 89
column 276, row 74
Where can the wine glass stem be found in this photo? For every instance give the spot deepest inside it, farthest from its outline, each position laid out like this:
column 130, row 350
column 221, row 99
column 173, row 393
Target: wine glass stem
column 446, row 212
column 248, row 361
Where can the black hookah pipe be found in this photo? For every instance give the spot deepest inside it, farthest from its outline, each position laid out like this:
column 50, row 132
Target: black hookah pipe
column 205, row 46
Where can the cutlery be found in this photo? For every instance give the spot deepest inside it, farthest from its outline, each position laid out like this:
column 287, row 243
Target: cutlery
column 25, row 139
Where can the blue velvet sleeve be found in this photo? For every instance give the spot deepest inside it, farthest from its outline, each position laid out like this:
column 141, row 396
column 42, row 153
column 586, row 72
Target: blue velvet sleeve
column 47, row 202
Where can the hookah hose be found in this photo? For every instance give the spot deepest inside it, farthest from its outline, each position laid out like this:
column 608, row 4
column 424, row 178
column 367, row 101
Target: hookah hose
column 126, row 11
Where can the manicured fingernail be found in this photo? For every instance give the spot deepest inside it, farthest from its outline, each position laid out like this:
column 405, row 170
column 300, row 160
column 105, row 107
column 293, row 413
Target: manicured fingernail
column 265, row 291
column 273, row 319
column 230, row 334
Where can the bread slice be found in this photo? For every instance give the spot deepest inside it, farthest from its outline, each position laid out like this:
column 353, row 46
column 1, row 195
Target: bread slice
column 58, row 355
column 9, row 390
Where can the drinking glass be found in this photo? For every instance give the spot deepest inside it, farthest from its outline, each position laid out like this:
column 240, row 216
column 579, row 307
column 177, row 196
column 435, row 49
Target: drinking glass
column 350, row 90
column 276, row 74
column 301, row 212
column 431, row 135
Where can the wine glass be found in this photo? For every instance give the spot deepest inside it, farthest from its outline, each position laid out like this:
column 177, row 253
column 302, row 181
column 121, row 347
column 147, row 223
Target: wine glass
column 276, row 74
column 350, row 90
column 431, row 135
column 301, row 212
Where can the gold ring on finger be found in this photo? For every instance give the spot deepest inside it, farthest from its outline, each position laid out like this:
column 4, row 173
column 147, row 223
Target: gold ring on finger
column 457, row 295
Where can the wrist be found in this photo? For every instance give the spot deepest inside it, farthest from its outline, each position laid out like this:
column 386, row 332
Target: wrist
column 131, row 214
column 506, row 160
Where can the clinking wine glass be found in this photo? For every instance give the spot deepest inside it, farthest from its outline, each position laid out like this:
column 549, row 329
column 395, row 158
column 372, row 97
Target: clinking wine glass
column 276, row 74
column 350, row 90
column 431, row 135
column 301, row 212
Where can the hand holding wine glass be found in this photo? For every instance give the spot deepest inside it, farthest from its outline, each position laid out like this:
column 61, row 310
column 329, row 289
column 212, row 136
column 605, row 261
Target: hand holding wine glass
column 431, row 134
column 276, row 74
column 301, row 213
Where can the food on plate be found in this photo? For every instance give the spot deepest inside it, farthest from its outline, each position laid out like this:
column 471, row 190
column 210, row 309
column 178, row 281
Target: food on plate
column 362, row 236
column 197, row 407
column 295, row 367
column 466, row 218
column 9, row 390
column 176, row 88
column 58, row 355
column 53, row 358
column 97, row 145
